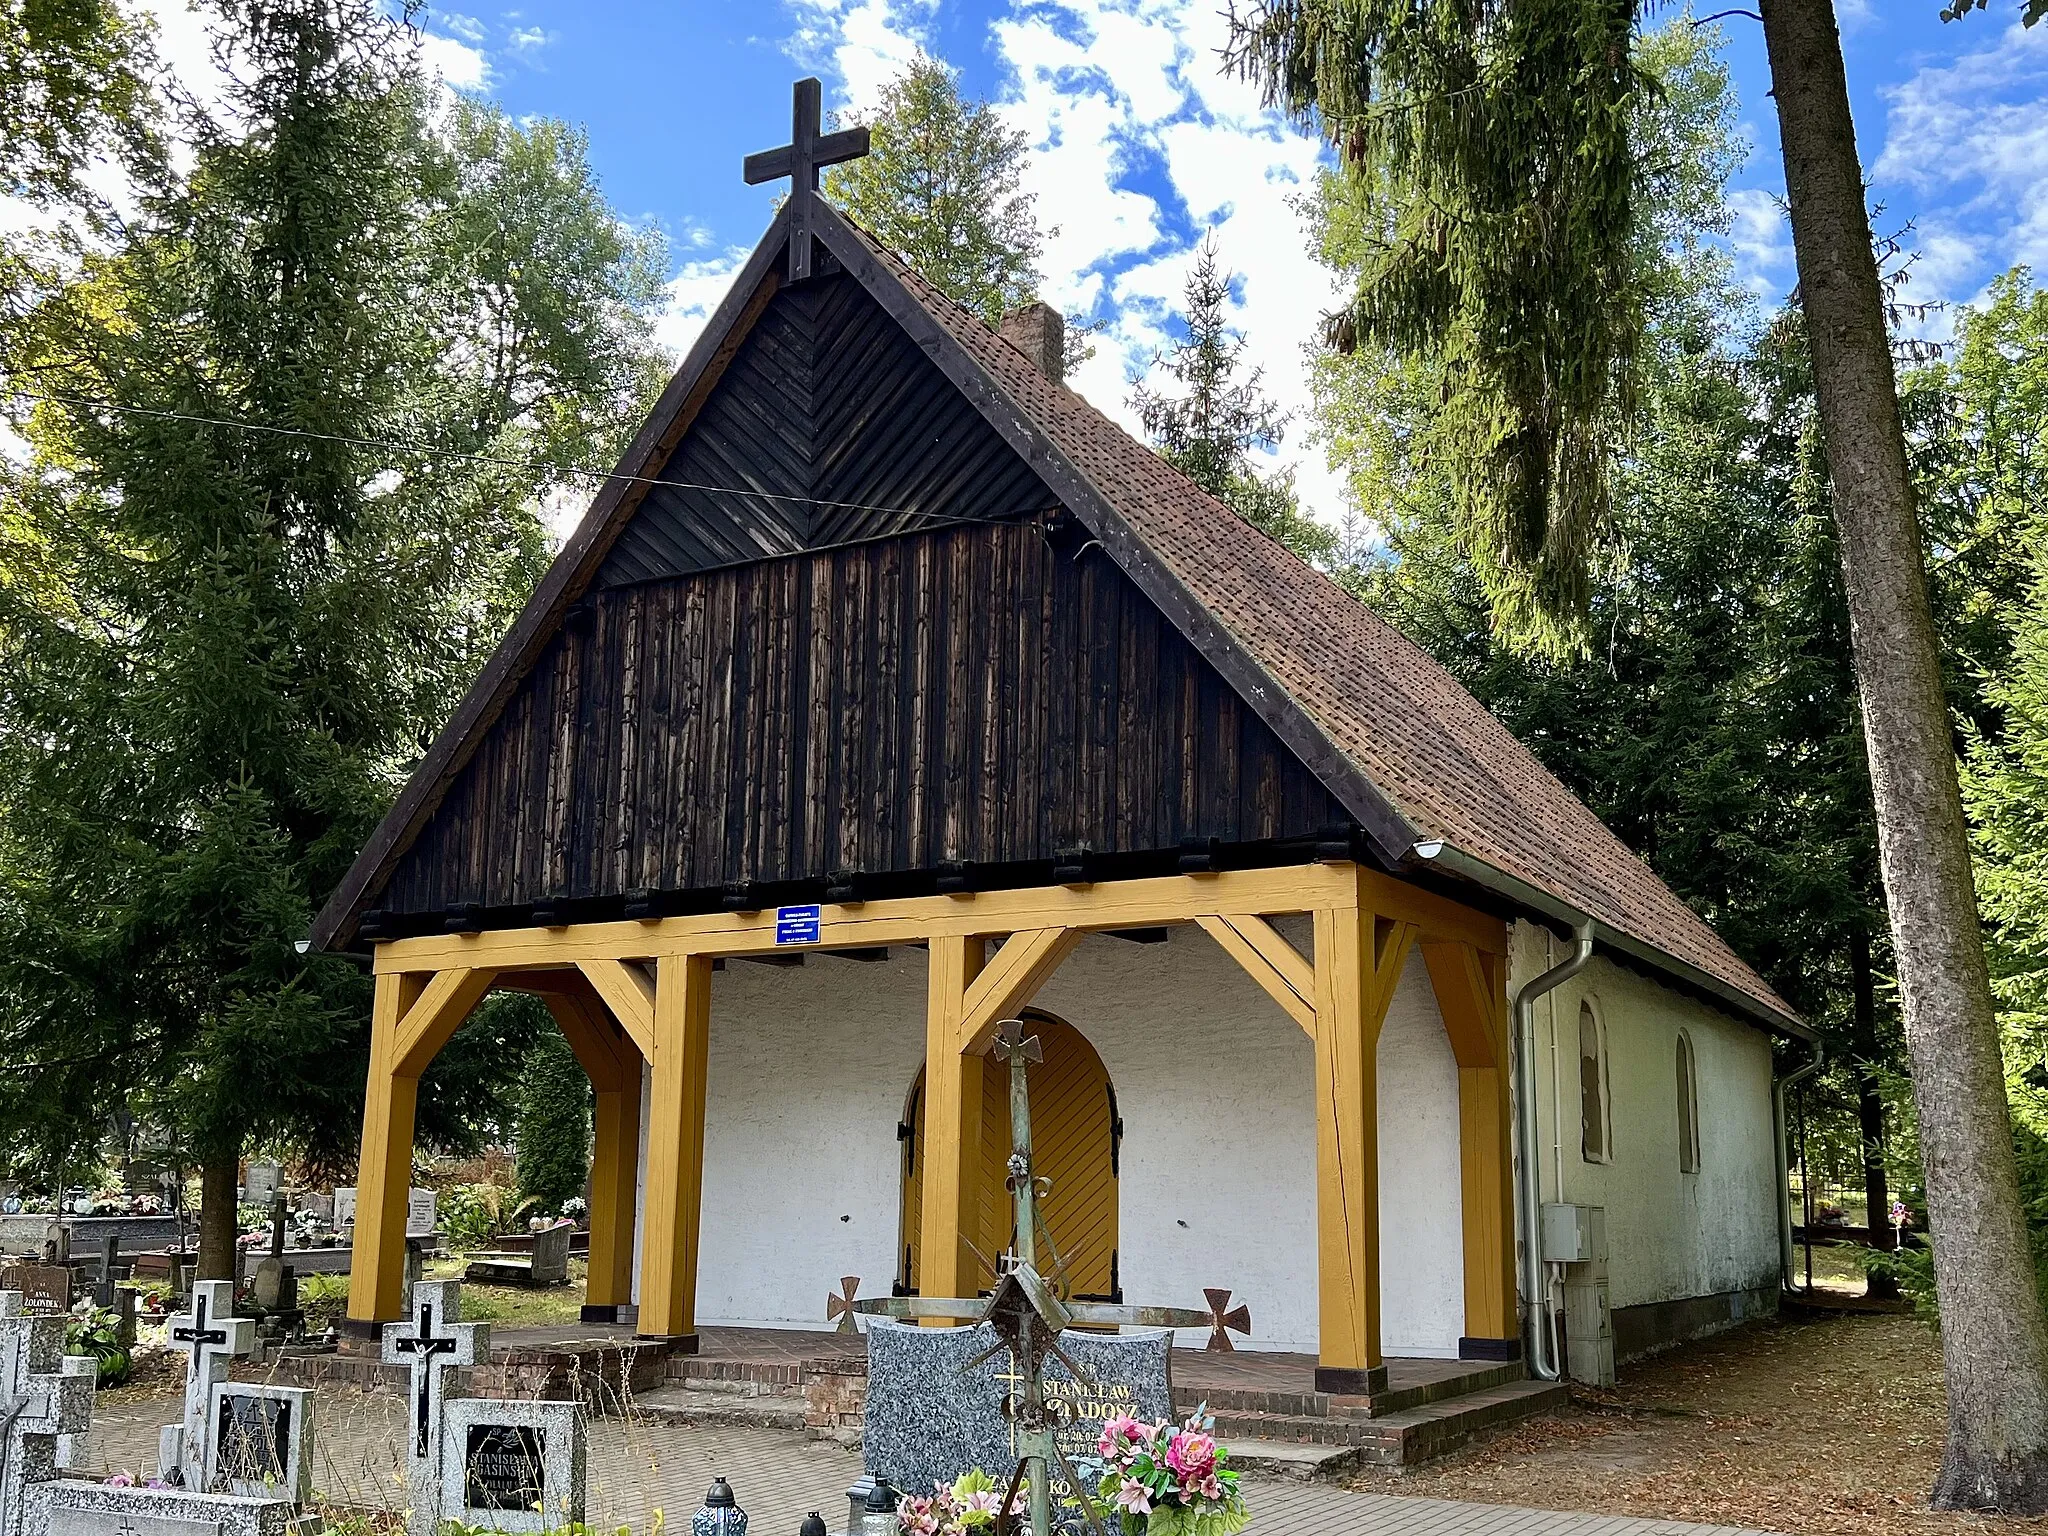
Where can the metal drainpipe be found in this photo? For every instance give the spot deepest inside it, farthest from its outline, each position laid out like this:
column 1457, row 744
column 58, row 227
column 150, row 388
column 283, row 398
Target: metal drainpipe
column 1779, row 1090
column 1543, row 1361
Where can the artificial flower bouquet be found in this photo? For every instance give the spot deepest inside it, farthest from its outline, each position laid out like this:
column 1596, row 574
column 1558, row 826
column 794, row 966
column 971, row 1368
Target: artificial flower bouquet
column 1170, row 1480
column 970, row 1503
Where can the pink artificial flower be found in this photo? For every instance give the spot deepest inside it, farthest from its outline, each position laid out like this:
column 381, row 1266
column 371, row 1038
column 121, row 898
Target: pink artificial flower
column 1117, row 1433
column 1192, row 1456
column 984, row 1502
column 120, row 1480
column 1132, row 1496
column 1211, row 1488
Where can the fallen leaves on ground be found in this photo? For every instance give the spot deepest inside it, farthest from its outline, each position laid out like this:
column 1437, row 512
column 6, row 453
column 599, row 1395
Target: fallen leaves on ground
column 1828, row 1427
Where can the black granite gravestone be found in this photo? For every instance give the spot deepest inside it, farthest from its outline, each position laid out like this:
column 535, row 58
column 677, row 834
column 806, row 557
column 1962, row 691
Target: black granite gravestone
column 253, row 1441
column 507, row 1467
column 928, row 1422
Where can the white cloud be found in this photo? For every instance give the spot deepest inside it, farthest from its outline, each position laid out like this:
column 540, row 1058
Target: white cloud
column 864, row 43
column 460, row 66
column 468, row 28
column 1970, row 141
column 693, row 293
column 527, row 41
column 1762, row 241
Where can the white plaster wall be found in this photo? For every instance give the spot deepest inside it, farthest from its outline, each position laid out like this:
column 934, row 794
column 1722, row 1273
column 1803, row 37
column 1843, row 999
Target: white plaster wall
column 810, row 1067
column 1670, row 1234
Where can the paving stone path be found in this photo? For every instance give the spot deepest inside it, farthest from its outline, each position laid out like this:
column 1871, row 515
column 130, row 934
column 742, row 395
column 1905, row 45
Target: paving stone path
column 639, row 1465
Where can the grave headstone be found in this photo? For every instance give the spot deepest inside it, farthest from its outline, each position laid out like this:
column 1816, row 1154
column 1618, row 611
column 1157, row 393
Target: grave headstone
column 262, row 1441
column 56, row 1243
column 512, row 1466
column 211, row 1336
column 110, row 1265
column 45, row 1407
column 260, row 1183
column 421, row 1209
column 73, row 1508
column 344, row 1207
column 315, row 1204
column 266, row 1285
column 551, row 1255
column 45, row 1288
column 926, row 1421
column 431, row 1343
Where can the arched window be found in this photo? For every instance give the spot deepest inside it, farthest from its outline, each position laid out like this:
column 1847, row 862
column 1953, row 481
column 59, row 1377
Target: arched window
column 1595, row 1142
column 1688, row 1107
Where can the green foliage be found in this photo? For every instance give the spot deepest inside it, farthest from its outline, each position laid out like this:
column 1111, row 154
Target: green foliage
column 73, row 85
column 1488, row 212
column 554, row 1124
column 1210, row 420
column 471, row 1215
column 225, row 645
column 942, row 186
column 98, row 1333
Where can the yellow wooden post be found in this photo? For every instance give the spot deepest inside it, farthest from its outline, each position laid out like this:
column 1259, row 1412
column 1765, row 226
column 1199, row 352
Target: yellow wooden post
column 1470, row 992
column 675, row 1148
column 612, row 1062
column 952, row 1123
column 1358, row 963
column 384, row 1173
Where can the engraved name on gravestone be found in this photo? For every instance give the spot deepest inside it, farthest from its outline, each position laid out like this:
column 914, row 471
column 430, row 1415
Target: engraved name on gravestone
column 927, row 1422
column 512, row 1466
column 45, row 1288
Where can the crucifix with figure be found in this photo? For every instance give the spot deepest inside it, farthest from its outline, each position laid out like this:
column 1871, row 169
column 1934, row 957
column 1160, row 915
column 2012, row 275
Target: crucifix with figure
column 807, row 152
column 430, row 1345
column 211, row 1337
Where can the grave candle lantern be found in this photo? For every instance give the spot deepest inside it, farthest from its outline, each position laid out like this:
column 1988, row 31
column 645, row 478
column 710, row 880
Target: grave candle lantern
column 721, row 1514
column 878, row 1511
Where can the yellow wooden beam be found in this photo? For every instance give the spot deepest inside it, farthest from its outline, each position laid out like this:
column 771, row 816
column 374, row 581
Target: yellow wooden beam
column 629, row 994
column 952, row 1122
column 1111, row 904
column 384, row 1173
column 1471, row 994
column 1271, row 961
column 612, row 1063
column 1009, row 980
column 443, row 1004
column 675, row 1147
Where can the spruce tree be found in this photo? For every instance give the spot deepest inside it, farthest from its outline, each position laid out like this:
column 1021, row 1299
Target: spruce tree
column 942, row 186
column 246, row 613
column 553, row 1129
column 1209, row 421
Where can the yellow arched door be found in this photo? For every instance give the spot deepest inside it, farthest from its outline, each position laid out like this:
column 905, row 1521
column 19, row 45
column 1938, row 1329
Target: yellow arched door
column 1075, row 1134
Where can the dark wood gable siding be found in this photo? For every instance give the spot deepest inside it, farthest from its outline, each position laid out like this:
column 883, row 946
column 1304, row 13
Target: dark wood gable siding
column 829, row 407
column 968, row 694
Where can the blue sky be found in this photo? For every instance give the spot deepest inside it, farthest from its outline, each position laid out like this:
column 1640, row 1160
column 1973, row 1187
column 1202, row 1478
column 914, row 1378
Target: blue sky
column 1141, row 144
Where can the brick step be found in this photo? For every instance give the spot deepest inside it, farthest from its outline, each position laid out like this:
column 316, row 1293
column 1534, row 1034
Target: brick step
column 1400, row 1439
column 1293, row 1459
column 1480, row 1378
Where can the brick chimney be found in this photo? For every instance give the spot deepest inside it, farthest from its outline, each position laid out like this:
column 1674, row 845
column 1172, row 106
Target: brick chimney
column 1040, row 332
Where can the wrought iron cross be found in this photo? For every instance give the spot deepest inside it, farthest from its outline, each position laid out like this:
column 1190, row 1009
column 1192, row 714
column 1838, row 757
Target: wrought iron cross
column 806, row 153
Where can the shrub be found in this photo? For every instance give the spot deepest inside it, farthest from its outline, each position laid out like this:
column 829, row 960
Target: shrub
column 554, row 1125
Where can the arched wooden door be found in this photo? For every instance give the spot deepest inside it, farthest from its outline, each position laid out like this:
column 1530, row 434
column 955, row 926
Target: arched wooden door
column 1075, row 1132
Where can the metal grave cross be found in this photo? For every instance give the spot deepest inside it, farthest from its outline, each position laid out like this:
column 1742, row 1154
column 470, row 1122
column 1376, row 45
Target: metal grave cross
column 45, row 1406
column 806, row 153
column 211, row 1337
column 432, row 1344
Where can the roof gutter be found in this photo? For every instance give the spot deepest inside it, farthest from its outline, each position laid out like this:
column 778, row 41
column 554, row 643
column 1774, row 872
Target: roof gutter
column 1438, row 855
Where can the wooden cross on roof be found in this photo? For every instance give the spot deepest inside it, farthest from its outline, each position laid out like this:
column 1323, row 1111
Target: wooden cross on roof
column 806, row 153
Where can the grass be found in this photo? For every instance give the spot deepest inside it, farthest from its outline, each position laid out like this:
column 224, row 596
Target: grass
column 325, row 1298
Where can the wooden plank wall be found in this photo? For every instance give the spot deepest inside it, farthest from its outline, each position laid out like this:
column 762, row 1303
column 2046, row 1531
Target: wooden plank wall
column 854, row 432
column 887, row 706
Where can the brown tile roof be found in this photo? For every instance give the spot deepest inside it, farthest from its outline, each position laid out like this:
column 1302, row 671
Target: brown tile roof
column 1450, row 770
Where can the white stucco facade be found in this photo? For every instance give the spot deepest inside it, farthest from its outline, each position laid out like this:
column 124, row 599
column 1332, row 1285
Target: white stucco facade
column 1671, row 1234
column 810, row 1067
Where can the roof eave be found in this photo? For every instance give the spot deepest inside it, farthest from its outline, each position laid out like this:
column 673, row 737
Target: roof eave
column 1544, row 906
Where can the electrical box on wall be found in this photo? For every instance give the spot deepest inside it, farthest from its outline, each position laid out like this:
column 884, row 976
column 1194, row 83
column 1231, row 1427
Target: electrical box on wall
column 1574, row 1234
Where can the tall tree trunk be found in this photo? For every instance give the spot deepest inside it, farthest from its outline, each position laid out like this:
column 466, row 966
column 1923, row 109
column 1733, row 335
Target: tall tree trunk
column 1993, row 1343
column 1877, row 1195
column 218, row 1228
